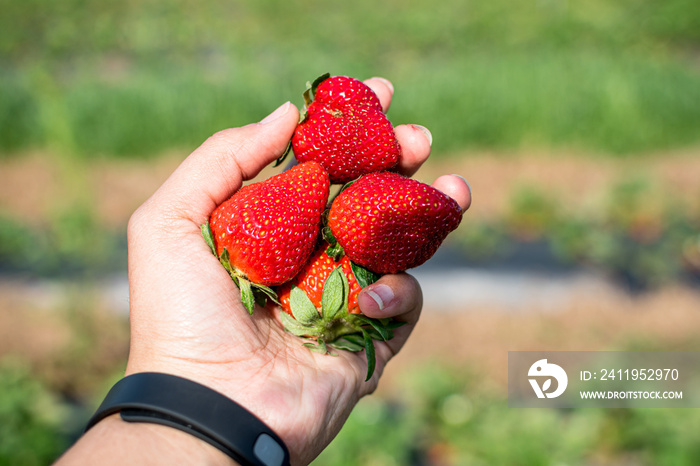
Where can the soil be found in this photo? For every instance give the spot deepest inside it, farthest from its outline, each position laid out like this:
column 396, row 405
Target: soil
column 65, row 332
column 33, row 185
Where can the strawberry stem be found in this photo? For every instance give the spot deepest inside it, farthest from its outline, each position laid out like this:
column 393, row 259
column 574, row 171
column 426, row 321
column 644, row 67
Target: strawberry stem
column 335, row 252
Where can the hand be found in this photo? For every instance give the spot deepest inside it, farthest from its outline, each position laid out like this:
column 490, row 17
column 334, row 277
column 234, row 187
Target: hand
column 186, row 315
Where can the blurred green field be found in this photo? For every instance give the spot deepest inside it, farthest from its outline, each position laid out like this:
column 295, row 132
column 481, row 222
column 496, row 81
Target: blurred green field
column 577, row 124
column 134, row 78
column 442, row 416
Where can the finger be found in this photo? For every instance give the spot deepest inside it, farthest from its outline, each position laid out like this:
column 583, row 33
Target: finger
column 394, row 295
column 384, row 90
column 216, row 169
column 457, row 188
column 415, row 142
column 398, row 296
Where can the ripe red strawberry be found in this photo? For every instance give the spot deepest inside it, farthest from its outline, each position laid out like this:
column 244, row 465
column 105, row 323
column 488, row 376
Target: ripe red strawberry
column 266, row 231
column 321, row 304
column 344, row 128
column 314, row 275
column 389, row 223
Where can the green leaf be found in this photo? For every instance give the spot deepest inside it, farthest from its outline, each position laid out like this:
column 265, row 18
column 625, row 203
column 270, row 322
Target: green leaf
column 392, row 324
column 346, row 186
column 208, row 236
column 318, row 348
column 284, row 155
column 308, row 99
column 310, row 92
column 374, row 335
column 303, row 309
column 226, row 261
column 369, row 353
column 384, row 334
column 335, row 293
column 317, row 82
column 347, row 345
column 340, row 191
column 355, row 338
column 314, row 347
column 364, row 276
column 266, row 291
column 247, row 297
column 260, row 298
column 294, row 327
column 328, row 236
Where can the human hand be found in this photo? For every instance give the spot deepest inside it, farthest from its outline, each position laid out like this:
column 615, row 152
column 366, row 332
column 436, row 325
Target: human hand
column 186, row 315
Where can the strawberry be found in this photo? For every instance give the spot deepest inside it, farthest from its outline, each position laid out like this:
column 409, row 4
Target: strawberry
column 389, row 223
column 321, row 304
column 344, row 128
column 314, row 275
column 264, row 234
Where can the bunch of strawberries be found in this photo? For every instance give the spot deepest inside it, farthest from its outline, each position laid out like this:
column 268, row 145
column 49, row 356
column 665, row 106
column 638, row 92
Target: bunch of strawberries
column 281, row 239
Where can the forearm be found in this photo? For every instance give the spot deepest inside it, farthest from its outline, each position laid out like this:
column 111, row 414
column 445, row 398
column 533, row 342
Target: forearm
column 113, row 441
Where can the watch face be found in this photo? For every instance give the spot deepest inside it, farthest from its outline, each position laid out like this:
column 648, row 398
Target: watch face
column 268, row 450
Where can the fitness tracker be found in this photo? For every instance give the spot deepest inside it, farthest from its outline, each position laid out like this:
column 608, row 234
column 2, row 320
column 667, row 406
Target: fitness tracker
column 200, row 411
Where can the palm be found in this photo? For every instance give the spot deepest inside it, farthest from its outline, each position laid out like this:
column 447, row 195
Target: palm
column 251, row 358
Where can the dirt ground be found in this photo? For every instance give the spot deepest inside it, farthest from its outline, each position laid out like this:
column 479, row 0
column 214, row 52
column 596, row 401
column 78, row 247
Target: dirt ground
column 33, row 185
column 65, row 332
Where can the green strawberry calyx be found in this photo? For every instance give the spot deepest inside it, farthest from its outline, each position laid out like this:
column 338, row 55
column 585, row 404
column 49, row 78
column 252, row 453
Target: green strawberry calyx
column 310, row 93
column 334, row 250
column 334, row 327
column 251, row 293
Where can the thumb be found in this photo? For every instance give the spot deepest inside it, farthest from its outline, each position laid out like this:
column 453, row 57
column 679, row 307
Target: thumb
column 216, row 169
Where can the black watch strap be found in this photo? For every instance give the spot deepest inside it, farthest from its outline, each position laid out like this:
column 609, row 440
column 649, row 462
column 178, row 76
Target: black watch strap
column 198, row 410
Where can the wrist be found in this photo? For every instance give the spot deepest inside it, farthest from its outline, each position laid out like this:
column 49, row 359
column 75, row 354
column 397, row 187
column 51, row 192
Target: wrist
column 222, row 378
column 114, row 441
column 197, row 410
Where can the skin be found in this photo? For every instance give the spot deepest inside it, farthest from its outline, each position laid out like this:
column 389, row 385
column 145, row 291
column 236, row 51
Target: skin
column 187, row 318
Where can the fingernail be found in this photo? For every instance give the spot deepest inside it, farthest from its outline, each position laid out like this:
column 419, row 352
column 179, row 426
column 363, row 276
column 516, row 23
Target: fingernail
column 465, row 181
column 425, row 131
column 380, row 296
column 385, row 81
column 281, row 110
